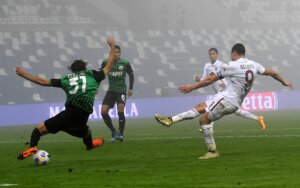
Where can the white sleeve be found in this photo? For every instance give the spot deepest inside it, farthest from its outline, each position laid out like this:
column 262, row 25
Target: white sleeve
column 224, row 71
column 260, row 69
column 205, row 73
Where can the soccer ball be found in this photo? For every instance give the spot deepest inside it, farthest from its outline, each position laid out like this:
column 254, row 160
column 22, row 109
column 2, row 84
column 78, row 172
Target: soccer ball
column 41, row 158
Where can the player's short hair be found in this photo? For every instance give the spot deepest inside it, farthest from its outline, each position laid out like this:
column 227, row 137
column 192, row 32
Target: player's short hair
column 118, row 47
column 239, row 49
column 213, row 49
column 78, row 65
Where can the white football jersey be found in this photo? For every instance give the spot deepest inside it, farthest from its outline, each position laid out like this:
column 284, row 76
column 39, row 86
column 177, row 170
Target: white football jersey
column 214, row 68
column 240, row 76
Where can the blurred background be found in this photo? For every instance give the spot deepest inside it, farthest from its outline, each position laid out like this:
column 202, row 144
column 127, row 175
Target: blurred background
column 166, row 41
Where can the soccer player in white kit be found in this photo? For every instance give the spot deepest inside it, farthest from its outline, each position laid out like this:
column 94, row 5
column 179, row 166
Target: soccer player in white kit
column 240, row 74
column 213, row 67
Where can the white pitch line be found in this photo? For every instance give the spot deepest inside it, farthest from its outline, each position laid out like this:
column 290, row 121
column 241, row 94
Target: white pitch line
column 170, row 138
column 15, row 142
column 228, row 136
column 8, row 184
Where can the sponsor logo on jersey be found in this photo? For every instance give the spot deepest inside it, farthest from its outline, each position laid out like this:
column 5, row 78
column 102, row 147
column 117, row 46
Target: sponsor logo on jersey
column 116, row 73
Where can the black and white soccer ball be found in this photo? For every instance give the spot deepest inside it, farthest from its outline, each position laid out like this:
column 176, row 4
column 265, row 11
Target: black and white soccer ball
column 41, row 158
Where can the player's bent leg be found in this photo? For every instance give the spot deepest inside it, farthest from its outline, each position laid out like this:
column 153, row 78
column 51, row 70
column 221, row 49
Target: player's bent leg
column 214, row 112
column 209, row 139
column 248, row 115
column 168, row 121
column 107, row 120
column 245, row 114
column 37, row 132
column 35, row 137
column 190, row 114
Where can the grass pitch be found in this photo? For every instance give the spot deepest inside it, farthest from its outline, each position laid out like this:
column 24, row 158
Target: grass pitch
column 155, row 156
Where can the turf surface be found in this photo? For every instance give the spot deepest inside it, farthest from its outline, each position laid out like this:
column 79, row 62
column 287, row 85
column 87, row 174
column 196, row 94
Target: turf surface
column 155, row 156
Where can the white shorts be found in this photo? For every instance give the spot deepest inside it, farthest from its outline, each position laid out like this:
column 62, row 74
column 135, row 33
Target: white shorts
column 217, row 107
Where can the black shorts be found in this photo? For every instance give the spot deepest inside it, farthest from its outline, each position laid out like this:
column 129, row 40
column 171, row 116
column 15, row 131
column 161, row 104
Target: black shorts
column 114, row 97
column 72, row 120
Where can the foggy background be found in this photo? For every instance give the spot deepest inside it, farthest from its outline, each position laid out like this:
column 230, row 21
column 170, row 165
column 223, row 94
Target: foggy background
column 166, row 41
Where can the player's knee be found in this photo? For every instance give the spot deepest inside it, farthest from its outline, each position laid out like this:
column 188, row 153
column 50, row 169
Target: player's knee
column 200, row 108
column 42, row 129
column 105, row 115
column 238, row 112
column 105, row 109
column 204, row 120
column 104, row 112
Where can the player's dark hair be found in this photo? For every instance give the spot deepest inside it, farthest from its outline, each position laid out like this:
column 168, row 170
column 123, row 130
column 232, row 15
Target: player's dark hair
column 78, row 65
column 118, row 47
column 239, row 49
column 213, row 49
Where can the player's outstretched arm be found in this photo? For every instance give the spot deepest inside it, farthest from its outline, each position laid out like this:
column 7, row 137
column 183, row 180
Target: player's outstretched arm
column 278, row 77
column 110, row 60
column 35, row 79
column 205, row 82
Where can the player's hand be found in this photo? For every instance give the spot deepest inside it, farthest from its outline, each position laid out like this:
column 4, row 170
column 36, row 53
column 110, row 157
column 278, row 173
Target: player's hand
column 130, row 93
column 185, row 88
column 110, row 41
column 288, row 84
column 19, row 71
column 197, row 78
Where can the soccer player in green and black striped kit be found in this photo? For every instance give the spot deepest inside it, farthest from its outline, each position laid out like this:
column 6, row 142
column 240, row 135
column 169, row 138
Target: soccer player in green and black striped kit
column 80, row 86
column 117, row 93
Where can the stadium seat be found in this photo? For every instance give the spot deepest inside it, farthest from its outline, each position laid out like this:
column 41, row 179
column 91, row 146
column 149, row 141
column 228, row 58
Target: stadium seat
column 175, row 55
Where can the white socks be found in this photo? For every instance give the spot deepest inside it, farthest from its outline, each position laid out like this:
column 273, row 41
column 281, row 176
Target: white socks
column 245, row 114
column 191, row 114
column 207, row 130
column 208, row 134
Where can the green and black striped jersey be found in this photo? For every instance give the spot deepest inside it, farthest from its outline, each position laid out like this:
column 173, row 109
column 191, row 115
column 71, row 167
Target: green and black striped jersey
column 117, row 75
column 80, row 88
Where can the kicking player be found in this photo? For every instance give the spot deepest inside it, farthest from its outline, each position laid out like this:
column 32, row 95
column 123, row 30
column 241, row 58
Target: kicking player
column 80, row 86
column 240, row 74
column 117, row 93
column 213, row 67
